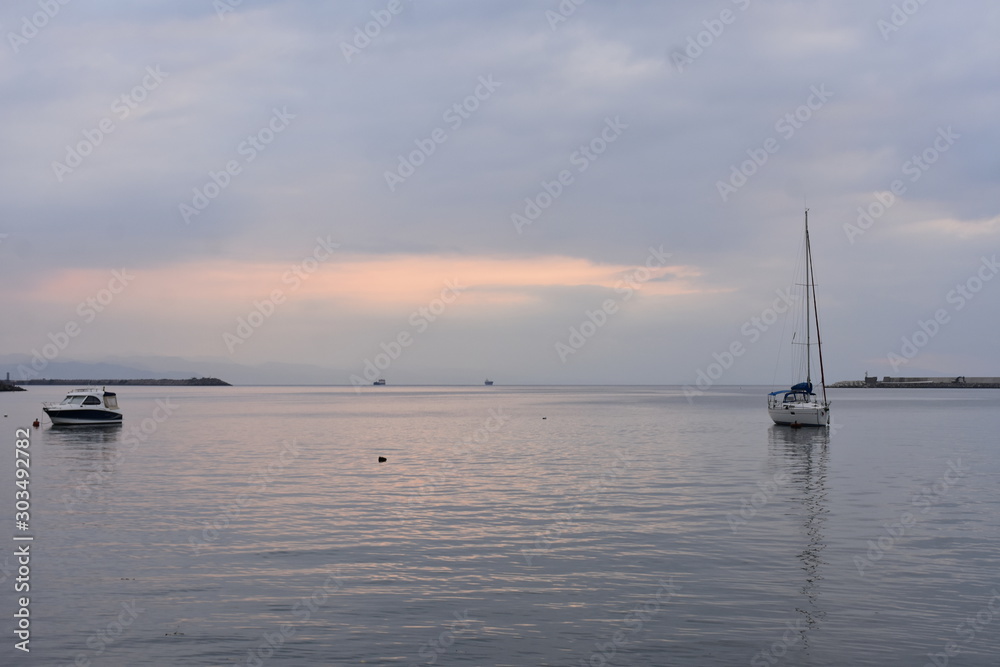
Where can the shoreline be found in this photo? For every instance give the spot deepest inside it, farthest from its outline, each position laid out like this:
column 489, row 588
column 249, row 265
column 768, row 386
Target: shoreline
column 861, row 384
column 191, row 382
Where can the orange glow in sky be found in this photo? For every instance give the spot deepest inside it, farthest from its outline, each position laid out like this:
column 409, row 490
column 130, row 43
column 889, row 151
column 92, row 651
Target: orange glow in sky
column 368, row 282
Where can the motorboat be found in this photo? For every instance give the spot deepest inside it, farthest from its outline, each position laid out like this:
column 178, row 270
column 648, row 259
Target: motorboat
column 379, row 382
column 85, row 406
column 798, row 405
column 488, row 383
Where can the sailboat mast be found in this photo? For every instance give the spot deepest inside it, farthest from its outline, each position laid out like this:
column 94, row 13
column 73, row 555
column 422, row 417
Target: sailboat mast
column 811, row 279
column 808, row 333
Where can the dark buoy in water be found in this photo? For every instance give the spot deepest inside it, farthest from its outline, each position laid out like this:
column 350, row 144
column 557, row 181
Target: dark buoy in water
column 382, row 459
column 35, row 423
column 544, row 417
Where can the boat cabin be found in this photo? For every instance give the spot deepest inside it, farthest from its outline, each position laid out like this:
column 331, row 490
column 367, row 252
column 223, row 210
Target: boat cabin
column 91, row 398
column 800, row 393
column 797, row 397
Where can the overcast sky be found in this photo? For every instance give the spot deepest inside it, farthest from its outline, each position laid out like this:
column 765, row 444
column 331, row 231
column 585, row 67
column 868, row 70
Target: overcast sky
column 462, row 185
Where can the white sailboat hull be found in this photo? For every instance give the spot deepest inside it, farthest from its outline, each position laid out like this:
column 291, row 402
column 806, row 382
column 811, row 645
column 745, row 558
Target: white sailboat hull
column 804, row 414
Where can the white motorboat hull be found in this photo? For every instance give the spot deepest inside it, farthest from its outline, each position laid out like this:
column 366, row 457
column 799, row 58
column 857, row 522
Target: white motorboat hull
column 81, row 417
column 803, row 414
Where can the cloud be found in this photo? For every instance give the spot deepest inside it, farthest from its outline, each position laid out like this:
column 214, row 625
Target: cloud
column 354, row 118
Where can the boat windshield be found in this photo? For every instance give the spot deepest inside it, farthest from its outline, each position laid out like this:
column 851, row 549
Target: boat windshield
column 799, row 397
column 111, row 401
column 73, row 400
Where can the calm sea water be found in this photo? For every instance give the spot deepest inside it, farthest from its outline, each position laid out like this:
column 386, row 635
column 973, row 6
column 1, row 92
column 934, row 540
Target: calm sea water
column 508, row 526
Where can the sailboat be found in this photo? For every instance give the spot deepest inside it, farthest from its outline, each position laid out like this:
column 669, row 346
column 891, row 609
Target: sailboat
column 799, row 406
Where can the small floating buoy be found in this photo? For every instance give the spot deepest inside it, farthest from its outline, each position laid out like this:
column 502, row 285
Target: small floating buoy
column 35, row 423
column 382, row 459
